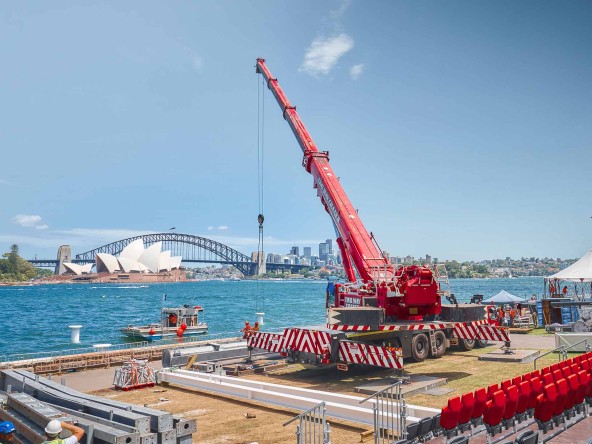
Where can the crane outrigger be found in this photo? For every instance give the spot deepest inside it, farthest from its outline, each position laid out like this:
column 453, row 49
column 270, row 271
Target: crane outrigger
column 399, row 310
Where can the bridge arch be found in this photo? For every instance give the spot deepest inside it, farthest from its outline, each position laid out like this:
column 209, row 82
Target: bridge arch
column 192, row 248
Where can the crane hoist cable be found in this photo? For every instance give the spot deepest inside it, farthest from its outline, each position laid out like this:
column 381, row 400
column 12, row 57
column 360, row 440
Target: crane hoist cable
column 260, row 182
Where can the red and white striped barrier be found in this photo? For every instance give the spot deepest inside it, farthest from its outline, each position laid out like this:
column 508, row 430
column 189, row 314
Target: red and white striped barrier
column 309, row 341
column 360, row 353
column 480, row 330
column 267, row 341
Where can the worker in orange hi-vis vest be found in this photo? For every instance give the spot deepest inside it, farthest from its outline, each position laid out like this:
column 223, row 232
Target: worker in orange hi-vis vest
column 246, row 330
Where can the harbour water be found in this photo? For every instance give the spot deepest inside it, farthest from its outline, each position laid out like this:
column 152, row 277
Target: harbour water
column 36, row 318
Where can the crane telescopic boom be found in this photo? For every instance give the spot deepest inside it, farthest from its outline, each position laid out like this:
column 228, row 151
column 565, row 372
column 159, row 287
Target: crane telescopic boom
column 408, row 293
column 354, row 241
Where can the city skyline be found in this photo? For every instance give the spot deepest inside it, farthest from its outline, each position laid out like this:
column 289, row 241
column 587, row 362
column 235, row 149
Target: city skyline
column 459, row 131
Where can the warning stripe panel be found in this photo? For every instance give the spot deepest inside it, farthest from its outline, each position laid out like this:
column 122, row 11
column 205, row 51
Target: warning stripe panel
column 413, row 327
column 309, row 341
column 360, row 353
column 267, row 341
column 480, row 330
column 344, row 327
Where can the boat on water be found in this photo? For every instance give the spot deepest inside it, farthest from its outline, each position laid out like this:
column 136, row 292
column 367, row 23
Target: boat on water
column 178, row 322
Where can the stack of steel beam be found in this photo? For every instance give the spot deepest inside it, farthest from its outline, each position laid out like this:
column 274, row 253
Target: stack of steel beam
column 33, row 401
column 134, row 374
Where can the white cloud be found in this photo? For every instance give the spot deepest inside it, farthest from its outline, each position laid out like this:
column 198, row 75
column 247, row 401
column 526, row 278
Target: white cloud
column 197, row 64
column 356, row 71
column 29, row 221
column 218, row 228
column 324, row 53
column 5, row 182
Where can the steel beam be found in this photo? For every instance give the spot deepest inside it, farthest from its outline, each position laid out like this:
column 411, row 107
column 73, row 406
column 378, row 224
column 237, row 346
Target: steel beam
column 159, row 420
column 47, row 394
column 339, row 398
column 25, row 428
column 277, row 395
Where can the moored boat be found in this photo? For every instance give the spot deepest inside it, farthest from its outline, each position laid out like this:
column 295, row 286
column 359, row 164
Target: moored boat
column 174, row 322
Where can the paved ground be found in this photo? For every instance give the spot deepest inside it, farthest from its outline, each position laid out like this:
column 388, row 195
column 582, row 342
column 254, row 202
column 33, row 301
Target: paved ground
column 92, row 380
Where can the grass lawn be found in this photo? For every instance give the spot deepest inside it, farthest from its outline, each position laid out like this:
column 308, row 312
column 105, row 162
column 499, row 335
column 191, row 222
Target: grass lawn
column 466, row 373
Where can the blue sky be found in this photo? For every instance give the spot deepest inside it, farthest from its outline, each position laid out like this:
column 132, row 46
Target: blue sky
column 458, row 129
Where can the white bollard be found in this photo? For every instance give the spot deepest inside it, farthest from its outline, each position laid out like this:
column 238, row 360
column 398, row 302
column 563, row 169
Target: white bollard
column 75, row 335
column 260, row 318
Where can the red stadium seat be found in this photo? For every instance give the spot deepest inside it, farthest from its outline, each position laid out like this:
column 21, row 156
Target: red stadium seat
column 527, row 376
column 554, row 367
column 575, row 368
column 491, row 390
column 559, row 406
column 573, row 383
column 557, row 375
column 548, row 379
column 494, row 410
column 466, row 410
column 536, row 389
column 479, row 406
column 535, row 374
column 566, row 371
column 543, row 412
column 523, row 399
column 510, row 407
column 505, row 384
column 585, row 364
column 584, row 379
column 449, row 422
column 577, row 359
column 517, row 380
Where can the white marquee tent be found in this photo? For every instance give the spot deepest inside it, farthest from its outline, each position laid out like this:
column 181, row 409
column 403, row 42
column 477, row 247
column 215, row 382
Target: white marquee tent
column 579, row 273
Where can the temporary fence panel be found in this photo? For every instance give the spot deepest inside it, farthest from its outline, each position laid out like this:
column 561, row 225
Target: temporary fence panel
column 312, row 427
column 389, row 414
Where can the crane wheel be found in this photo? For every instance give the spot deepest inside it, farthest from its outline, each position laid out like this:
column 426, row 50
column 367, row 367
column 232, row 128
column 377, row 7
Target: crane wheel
column 466, row 344
column 440, row 339
column 420, row 347
column 481, row 343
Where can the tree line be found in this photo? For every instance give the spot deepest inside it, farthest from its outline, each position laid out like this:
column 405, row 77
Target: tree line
column 14, row 268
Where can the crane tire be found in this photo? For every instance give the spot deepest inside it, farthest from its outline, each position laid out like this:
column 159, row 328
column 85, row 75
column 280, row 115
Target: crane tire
column 466, row 344
column 440, row 338
column 481, row 343
column 420, row 347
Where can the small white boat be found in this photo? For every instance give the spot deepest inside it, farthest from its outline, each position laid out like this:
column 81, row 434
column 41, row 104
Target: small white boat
column 174, row 322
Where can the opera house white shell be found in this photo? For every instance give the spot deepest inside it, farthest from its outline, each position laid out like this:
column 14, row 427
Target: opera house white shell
column 134, row 258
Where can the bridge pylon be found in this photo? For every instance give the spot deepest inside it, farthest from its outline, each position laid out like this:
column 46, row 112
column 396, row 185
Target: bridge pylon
column 64, row 255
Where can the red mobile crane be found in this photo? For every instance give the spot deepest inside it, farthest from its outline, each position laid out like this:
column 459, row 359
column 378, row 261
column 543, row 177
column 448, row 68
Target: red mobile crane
column 399, row 310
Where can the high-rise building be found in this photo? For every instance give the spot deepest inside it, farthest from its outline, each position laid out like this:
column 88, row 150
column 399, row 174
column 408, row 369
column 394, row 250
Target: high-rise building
column 329, row 243
column 307, row 252
column 295, row 251
column 323, row 251
column 428, row 259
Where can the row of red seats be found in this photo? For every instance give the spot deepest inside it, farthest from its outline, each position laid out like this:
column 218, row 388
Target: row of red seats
column 566, row 386
column 555, row 390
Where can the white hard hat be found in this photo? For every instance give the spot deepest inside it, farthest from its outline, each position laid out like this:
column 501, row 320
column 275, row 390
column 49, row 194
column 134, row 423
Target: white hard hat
column 54, row 427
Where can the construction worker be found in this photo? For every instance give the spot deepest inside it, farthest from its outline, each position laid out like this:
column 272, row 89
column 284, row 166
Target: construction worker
column 256, row 326
column 6, row 432
column 55, row 426
column 564, row 291
column 246, row 330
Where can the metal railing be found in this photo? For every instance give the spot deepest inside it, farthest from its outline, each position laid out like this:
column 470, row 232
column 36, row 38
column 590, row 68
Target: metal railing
column 7, row 360
column 390, row 412
column 562, row 351
column 313, row 427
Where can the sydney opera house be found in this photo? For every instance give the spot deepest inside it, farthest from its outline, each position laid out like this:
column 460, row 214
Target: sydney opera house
column 135, row 263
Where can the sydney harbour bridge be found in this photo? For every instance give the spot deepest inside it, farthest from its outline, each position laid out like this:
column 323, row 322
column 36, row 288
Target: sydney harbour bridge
column 193, row 249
